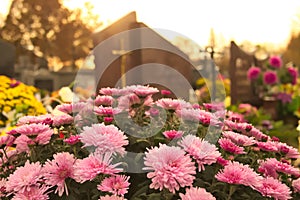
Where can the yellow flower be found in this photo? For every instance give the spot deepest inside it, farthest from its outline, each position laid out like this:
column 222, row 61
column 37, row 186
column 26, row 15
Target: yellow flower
column 6, row 109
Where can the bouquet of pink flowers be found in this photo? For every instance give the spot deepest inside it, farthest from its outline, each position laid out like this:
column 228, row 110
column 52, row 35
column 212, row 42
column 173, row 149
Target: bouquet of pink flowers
column 271, row 78
column 124, row 144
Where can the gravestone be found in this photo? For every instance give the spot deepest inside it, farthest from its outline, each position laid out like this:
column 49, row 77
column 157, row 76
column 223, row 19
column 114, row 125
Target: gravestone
column 241, row 90
column 131, row 47
column 7, row 58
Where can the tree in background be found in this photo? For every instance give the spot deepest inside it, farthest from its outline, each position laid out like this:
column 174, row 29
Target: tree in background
column 49, row 30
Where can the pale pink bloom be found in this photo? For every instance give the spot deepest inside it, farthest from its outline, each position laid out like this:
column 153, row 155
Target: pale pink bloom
column 56, row 171
column 168, row 103
column 107, row 197
column 111, row 91
column 43, row 119
column 296, row 185
column 9, row 154
column 172, row 134
column 289, row 151
column 214, row 106
column 125, row 102
column 202, row 151
column 73, row 139
column 170, row 168
column 60, row 120
column 237, row 173
column 271, row 167
column 229, row 146
column 106, row 111
column 35, row 193
column 270, row 146
column 70, row 108
column 241, row 127
column 190, row 114
column 6, row 140
column 184, row 104
column 270, row 187
column 105, row 138
column 196, row 193
column 117, row 185
column 88, row 168
column 239, row 139
column 42, row 132
column 24, row 178
column 22, row 143
column 103, row 100
column 148, row 101
column 143, row 91
column 235, row 117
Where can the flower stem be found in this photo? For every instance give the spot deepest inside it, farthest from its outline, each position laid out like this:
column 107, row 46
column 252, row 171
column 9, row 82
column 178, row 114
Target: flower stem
column 232, row 189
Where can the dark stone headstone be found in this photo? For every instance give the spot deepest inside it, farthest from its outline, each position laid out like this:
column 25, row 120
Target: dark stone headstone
column 7, row 58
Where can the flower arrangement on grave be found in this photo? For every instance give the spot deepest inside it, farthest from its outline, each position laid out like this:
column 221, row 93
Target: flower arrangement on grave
column 274, row 81
column 16, row 100
column 122, row 144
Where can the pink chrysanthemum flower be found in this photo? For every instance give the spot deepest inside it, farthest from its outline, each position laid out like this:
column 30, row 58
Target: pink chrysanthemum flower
column 73, row 139
column 270, row 146
column 24, row 178
column 289, row 151
column 166, row 92
column 70, row 108
column 294, row 74
column 271, row 167
column 239, row 139
column 273, row 188
column 142, row 91
column 105, row 138
column 170, row 168
column 258, row 134
column 270, row 77
column 35, row 193
column 6, row 140
column 111, row 91
column 253, row 73
column 229, row 146
column 296, row 185
column 104, row 111
column 275, row 61
column 41, row 132
column 196, row 194
column 189, row 114
column 202, row 151
column 237, row 173
column 22, row 143
column 103, row 100
column 88, row 168
column 107, row 197
column 168, row 103
column 172, row 134
column 60, row 120
column 2, row 187
column 117, row 185
column 55, row 172
column 41, row 119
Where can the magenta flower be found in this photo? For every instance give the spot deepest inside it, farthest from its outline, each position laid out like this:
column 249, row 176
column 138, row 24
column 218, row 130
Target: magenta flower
column 237, row 173
column 117, row 185
column 229, row 146
column 73, row 139
column 253, row 73
column 41, row 119
column 88, row 168
column 238, row 139
column 296, row 185
column 202, row 151
column 284, row 97
column 275, row 61
column 166, row 92
column 270, row 187
column 172, row 134
column 294, row 74
column 289, row 151
column 105, row 138
column 6, row 140
column 25, row 178
column 142, row 91
column 104, row 111
column 270, row 146
column 55, row 172
column 35, row 193
column 196, row 194
column 270, row 77
column 170, row 168
column 2, row 187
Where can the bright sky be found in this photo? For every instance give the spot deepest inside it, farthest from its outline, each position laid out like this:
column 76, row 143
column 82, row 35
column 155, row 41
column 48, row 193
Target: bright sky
column 258, row 21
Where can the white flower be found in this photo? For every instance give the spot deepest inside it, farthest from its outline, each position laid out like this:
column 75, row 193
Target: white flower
column 66, row 94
